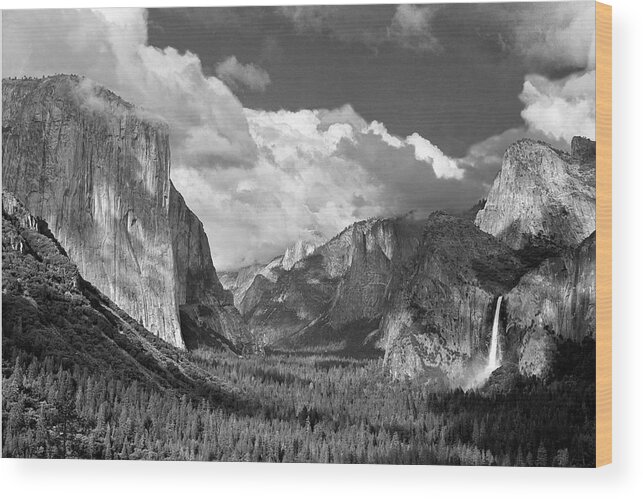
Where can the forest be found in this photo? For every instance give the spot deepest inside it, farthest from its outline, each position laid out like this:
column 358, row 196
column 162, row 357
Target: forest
column 295, row 408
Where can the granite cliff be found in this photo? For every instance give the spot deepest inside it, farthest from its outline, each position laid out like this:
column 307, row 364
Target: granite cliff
column 535, row 246
column 542, row 193
column 98, row 170
column 51, row 311
column 238, row 282
column 207, row 312
column 556, row 300
column 441, row 314
column 333, row 298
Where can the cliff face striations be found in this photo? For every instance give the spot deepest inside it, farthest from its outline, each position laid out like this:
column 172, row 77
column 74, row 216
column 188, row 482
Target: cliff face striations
column 98, row 170
column 208, row 315
column 441, row 314
column 334, row 297
column 537, row 251
column 50, row 310
column 556, row 299
column 81, row 158
column 541, row 192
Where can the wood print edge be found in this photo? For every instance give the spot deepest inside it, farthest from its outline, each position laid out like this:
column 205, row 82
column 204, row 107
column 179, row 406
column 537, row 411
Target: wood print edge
column 603, row 234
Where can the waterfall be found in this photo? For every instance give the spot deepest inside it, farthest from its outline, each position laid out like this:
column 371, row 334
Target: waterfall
column 494, row 352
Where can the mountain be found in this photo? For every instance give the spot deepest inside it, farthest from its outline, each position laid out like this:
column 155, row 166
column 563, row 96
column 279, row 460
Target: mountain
column 296, row 253
column 239, row 281
column 534, row 246
column 50, row 311
column 441, row 315
column 557, row 299
column 98, row 170
column 333, row 298
column 541, row 193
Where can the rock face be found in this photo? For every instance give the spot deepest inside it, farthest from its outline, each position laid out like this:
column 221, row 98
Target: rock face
column 81, row 158
column 442, row 312
column 541, row 192
column 556, row 299
column 208, row 315
column 238, row 282
column 296, row 253
column 50, row 310
column 542, row 260
column 98, row 170
column 334, row 298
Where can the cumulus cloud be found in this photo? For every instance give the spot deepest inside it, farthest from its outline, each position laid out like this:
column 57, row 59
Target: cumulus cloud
column 411, row 28
column 555, row 110
column 110, row 47
column 317, row 172
column 237, row 74
column 561, row 108
column 259, row 179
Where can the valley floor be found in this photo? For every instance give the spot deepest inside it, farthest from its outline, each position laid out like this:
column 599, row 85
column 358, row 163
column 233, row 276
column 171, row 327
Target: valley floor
column 294, row 408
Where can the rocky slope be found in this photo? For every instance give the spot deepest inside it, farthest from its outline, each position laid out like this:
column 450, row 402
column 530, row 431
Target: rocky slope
column 98, row 170
column 541, row 192
column 207, row 311
column 50, row 310
column 556, row 299
column 440, row 317
column 541, row 210
column 239, row 281
column 296, row 253
column 332, row 299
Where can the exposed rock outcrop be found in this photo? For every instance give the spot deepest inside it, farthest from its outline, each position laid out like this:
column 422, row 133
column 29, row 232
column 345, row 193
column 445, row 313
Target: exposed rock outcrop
column 541, row 210
column 541, row 192
column 50, row 310
column 556, row 299
column 335, row 296
column 208, row 315
column 441, row 315
column 98, row 170
column 296, row 253
column 82, row 158
column 238, row 282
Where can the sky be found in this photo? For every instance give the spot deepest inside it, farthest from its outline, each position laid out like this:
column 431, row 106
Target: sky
column 291, row 123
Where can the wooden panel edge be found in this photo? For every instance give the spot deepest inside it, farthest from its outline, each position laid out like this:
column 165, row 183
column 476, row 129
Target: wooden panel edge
column 603, row 234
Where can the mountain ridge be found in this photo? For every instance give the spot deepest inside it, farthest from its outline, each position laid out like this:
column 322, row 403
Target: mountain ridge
column 98, row 169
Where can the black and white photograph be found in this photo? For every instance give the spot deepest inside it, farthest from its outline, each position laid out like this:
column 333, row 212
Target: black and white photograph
column 348, row 234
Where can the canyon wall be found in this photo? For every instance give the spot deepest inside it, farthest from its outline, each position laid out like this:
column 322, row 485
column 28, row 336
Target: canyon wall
column 83, row 159
column 334, row 297
column 98, row 170
column 440, row 315
column 541, row 192
column 536, row 247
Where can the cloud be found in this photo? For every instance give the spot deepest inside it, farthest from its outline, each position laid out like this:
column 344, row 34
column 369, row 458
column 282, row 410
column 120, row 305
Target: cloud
column 258, row 179
column 408, row 26
column 562, row 108
column 411, row 28
column 298, row 187
column 554, row 111
column 556, row 37
column 317, row 172
column 110, row 47
column 236, row 74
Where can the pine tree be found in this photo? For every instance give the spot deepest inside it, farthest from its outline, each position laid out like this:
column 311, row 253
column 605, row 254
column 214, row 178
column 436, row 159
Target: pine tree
column 541, row 456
